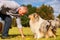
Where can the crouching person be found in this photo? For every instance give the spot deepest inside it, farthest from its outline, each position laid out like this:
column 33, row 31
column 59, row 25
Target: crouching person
column 7, row 11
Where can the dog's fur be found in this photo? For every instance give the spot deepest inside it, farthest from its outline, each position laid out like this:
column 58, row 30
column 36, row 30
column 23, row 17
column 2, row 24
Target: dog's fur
column 40, row 27
column 57, row 20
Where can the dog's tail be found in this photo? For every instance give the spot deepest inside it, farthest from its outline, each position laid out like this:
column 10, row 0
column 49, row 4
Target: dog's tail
column 53, row 28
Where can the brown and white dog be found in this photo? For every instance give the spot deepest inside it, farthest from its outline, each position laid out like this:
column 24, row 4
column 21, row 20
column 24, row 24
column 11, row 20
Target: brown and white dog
column 40, row 27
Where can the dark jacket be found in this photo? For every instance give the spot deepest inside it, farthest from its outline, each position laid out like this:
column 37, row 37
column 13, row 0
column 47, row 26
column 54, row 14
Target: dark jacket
column 3, row 13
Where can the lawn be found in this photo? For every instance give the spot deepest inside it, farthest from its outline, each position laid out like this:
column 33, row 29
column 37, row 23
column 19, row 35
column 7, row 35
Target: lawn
column 15, row 35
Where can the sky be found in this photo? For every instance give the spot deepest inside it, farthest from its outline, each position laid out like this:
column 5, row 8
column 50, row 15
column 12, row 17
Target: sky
column 54, row 3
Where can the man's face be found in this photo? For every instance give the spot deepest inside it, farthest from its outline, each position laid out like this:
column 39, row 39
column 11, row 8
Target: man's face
column 22, row 10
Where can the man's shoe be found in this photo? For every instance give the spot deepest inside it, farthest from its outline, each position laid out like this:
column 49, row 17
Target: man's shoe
column 5, row 37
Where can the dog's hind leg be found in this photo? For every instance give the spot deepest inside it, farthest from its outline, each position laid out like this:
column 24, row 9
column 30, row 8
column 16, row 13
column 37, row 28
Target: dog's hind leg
column 54, row 35
column 54, row 31
column 46, row 35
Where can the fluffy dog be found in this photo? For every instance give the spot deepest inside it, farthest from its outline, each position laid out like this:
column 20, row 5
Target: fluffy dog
column 40, row 27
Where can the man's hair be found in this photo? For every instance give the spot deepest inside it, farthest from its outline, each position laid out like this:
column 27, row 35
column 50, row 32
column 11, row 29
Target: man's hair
column 23, row 6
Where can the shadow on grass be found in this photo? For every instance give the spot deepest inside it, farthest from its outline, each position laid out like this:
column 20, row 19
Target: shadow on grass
column 15, row 35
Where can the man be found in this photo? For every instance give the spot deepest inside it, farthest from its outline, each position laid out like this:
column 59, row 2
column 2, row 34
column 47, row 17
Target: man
column 7, row 9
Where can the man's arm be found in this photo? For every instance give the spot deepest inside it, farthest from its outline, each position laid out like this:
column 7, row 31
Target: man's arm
column 12, row 14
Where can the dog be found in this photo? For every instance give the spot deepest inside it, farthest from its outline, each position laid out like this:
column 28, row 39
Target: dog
column 40, row 27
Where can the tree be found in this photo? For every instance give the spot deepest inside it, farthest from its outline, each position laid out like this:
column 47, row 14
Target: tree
column 58, row 16
column 25, row 19
column 31, row 9
column 46, row 12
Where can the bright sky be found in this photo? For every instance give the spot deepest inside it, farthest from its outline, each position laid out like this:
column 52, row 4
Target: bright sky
column 54, row 3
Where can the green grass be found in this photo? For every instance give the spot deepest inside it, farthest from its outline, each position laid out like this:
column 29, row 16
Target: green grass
column 15, row 35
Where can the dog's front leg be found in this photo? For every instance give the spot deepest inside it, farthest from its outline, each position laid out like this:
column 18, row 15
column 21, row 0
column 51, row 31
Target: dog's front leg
column 38, row 35
column 35, row 36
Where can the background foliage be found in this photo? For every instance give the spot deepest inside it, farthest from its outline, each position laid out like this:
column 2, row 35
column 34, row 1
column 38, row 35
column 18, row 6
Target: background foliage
column 46, row 12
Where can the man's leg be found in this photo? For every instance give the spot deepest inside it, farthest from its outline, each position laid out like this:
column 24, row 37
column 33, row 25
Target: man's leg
column 7, row 25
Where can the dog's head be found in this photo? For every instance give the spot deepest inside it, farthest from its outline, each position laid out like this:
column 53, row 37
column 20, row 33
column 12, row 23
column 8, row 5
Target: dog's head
column 34, row 16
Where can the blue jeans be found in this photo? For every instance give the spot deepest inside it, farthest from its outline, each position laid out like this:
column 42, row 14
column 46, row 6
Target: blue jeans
column 8, row 21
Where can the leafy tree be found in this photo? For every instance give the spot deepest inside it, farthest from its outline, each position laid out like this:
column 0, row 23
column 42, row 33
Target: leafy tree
column 31, row 9
column 58, row 16
column 45, row 12
column 25, row 19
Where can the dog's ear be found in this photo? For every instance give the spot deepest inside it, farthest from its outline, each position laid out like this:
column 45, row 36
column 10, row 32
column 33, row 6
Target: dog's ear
column 36, row 16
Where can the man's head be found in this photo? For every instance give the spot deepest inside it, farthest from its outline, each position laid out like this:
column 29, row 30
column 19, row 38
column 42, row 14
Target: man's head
column 22, row 10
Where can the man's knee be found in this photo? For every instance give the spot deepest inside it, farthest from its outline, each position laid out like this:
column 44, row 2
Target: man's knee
column 9, row 19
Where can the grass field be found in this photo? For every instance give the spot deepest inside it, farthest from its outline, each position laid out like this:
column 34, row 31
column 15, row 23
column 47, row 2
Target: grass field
column 15, row 35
